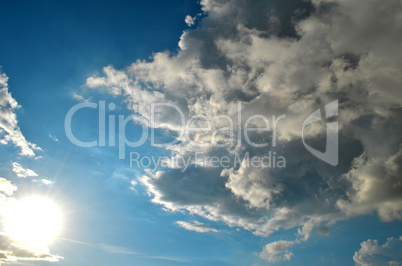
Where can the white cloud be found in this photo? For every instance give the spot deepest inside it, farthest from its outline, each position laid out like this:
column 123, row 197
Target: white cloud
column 22, row 172
column 44, row 181
column 53, row 137
column 190, row 20
column 372, row 254
column 7, row 187
column 9, row 129
column 47, row 182
column 133, row 183
column 196, row 226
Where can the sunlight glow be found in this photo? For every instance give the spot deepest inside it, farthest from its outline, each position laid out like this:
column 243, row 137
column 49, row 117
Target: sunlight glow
column 34, row 221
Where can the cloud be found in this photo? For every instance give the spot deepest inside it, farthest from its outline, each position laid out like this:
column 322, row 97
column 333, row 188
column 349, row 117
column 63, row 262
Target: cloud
column 133, row 183
column 9, row 129
column 125, row 251
column 277, row 251
column 47, row 182
column 44, row 181
column 252, row 184
column 53, row 137
column 196, row 227
column 371, row 253
column 7, row 187
column 10, row 250
column 190, row 20
column 323, row 230
column 22, row 172
column 80, row 98
column 302, row 51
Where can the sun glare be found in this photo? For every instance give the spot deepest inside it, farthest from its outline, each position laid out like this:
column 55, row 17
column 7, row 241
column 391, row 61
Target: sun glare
column 34, row 221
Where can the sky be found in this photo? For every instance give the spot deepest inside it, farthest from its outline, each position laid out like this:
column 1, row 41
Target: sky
column 212, row 132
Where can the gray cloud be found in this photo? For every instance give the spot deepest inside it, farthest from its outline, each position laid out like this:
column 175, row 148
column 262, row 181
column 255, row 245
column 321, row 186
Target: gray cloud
column 249, row 53
column 14, row 251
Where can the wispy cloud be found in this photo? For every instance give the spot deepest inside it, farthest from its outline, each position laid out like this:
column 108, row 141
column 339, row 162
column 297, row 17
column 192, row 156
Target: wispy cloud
column 125, row 251
column 197, row 227
column 44, row 181
column 80, row 98
column 53, row 137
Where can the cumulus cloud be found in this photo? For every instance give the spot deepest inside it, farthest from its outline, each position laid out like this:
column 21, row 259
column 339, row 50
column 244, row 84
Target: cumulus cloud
column 9, row 129
column 253, row 185
column 22, row 172
column 196, row 226
column 308, row 53
column 371, row 254
column 277, row 251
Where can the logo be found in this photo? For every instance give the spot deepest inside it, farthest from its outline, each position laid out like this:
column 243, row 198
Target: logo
column 330, row 155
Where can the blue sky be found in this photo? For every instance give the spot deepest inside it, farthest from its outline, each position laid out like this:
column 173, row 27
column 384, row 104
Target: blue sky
column 206, row 58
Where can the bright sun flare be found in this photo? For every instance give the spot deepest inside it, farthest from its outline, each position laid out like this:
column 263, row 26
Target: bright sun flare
column 33, row 221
